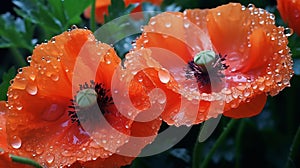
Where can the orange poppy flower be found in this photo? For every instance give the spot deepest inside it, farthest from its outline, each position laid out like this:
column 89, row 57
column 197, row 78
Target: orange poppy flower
column 290, row 13
column 102, row 8
column 229, row 58
column 61, row 109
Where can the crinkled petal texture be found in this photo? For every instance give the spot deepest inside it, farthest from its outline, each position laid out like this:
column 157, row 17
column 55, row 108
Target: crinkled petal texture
column 47, row 123
column 290, row 13
column 254, row 48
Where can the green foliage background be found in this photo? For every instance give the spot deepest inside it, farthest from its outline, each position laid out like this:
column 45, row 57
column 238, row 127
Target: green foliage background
column 267, row 140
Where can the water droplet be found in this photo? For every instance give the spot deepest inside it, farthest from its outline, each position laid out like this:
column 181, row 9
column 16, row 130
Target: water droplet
column 19, row 106
column 104, row 141
column 53, row 40
column 54, row 77
column 16, row 142
column 186, row 25
column 20, row 70
column 39, row 150
column 32, row 77
column 243, row 8
column 288, row 32
column 168, row 25
column 251, row 6
column 74, row 27
column 11, row 81
column 29, row 59
column 261, row 22
column 153, row 22
column 31, row 89
column 49, row 158
column 164, row 75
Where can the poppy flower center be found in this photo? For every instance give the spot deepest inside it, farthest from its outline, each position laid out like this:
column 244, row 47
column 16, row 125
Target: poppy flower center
column 206, row 66
column 89, row 103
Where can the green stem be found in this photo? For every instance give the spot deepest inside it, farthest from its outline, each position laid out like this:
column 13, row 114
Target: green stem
column 219, row 141
column 294, row 149
column 238, row 143
column 26, row 161
column 93, row 19
column 196, row 152
column 18, row 57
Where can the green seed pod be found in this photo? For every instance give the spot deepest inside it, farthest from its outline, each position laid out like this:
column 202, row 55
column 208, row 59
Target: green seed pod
column 204, row 57
column 86, row 97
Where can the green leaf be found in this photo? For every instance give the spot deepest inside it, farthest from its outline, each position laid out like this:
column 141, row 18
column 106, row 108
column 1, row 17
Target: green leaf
column 54, row 15
column 5, row 82
column 15, row 32
column 117, row 9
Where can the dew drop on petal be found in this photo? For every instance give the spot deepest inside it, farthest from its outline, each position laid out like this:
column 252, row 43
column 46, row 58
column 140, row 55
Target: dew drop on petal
column 288, row 32
column 29, row 59
column 49, row 158
column 54, row 77
column 153, row 22
column 168, row 25
column 52, row 40
column 186, row 24
column 31, row 89
column 251, row 6
column 32, row 77
column 74, row 27
column 164, row 75
column 15, row 142
column 20, row 70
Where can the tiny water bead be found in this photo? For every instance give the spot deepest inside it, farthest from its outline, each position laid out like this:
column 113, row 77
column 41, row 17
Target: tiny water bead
column 164, row 75
column 288, row 31
column 16, row 142
column 31, row 89
column 49, row 158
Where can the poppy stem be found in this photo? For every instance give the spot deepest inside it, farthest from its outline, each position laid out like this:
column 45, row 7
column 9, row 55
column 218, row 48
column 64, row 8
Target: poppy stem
column 196, row 153
column 294, row 150
column 93, row 18
column 26, row 161
column 238, row 141
column 219, row 141
column 18, row 57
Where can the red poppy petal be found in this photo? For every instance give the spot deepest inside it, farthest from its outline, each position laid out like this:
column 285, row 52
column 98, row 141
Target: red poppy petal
column 248, row 109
